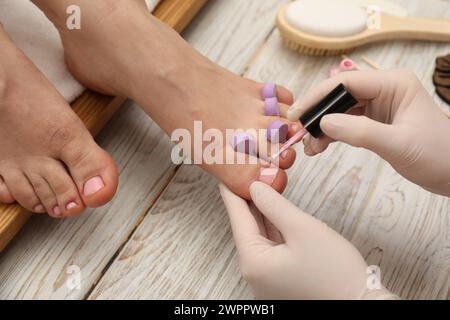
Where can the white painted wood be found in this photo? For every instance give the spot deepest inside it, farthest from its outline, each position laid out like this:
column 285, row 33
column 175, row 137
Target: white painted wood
column 183, row 248
column 34, row 265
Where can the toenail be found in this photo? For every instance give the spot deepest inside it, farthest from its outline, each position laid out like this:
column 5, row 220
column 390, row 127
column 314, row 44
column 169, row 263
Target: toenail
column 277, row 132
column 271, row 107
column 71, row 206
column 93, row 185
column 269, row 91
column 57, row 212
column 244, row 143
column 268, row 175
column 284, row 154
column 39, row 208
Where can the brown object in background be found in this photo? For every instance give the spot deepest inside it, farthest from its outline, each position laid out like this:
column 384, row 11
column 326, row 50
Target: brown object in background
column 441, row 79
column 444, row 93
column 443, row 63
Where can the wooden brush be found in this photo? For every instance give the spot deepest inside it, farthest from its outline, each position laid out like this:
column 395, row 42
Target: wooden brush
column 392, row 28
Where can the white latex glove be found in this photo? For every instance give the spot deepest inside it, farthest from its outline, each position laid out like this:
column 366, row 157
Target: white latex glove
column 296, row 257
column 397, row 119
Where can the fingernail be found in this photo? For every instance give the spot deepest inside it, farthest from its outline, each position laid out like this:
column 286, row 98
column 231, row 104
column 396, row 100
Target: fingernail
column 93, row 185
column 39, row 208
column 284, row 154
column 71, row 205
column 268, row 175
column 295, row 106
column 332, row 122
column 57, row 212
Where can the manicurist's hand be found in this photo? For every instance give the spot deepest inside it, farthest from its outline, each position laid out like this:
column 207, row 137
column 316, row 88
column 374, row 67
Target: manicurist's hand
column 397, row 119
column 285, row 253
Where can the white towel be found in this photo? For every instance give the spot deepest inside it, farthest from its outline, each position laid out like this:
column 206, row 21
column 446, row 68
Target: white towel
column 36, row 36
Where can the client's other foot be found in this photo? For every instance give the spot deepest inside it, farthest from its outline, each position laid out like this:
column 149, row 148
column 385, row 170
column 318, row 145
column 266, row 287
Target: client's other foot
column 122, row 49
column 48, row 160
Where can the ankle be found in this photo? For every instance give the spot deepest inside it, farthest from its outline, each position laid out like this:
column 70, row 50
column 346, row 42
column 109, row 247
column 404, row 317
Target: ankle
column 168, row 81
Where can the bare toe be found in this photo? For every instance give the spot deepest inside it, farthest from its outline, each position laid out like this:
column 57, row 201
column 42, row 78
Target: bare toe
column 239, row 177
column 285, row 96
column 5, row 195
column 22, row 190
column 93, row 171
column 63, row 187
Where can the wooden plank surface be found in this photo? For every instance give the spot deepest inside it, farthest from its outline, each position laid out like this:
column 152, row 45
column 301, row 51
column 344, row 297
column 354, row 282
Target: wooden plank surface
column 143, row 155
column 134, row 131
column 96, row 110
column 184, row 248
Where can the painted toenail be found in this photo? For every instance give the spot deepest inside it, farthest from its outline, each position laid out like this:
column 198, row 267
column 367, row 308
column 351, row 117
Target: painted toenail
column 271, row 107
column 39, row 208
column 284, row 154
column 71, row 206
column 244, row 143
column 93, row 185
column 269, row 91
column 277, row 132
column 57, row 212
column 268, row 175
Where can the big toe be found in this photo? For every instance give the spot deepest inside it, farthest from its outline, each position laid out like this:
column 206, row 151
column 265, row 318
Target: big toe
column 93, row 171
column 239, row 177
column 5, row 194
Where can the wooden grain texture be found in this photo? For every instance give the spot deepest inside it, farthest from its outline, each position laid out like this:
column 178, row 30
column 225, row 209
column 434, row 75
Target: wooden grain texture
column 34, row 265
column 184, row 249
column 96, row 110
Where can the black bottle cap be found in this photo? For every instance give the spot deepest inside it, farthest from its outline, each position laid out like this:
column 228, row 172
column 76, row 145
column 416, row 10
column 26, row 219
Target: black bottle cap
column 339, row 100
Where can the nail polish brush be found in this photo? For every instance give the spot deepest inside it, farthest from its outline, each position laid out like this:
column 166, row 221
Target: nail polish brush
column 340, row 100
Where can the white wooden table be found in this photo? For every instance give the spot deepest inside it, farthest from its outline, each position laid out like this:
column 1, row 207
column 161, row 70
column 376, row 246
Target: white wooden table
column 166, row 233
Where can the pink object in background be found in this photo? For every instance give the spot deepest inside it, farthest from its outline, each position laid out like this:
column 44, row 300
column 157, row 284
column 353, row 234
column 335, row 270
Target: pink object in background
column 345, row 66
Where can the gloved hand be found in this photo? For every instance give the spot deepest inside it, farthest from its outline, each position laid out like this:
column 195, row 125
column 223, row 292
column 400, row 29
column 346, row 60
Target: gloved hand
column 397, row 119
column 285, row 253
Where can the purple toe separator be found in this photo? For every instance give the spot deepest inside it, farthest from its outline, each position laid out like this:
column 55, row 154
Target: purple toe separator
column 269, row 91
column 244, row 143
column 271, row 107
column 277, row 132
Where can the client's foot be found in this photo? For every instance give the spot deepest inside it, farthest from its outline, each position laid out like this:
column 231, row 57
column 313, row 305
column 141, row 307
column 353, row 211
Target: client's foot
column 48, row 160
column 128, row 52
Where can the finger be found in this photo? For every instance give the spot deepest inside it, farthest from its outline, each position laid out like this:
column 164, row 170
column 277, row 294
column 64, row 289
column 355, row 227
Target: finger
column 259, row 218
column 277, row 209
column 283, row 109
column 360, row 131
column 272, row 232
column 246, row 228
column 314, row 146
column 363, row 85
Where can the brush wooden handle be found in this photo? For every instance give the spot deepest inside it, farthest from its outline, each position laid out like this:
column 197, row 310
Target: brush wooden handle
column 391, row 28
column 415, row 28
